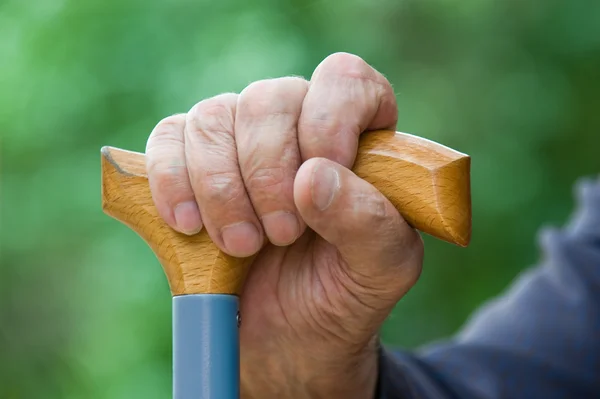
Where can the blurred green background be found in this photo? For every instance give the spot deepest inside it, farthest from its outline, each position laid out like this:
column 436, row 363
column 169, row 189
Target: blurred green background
column 84, row 306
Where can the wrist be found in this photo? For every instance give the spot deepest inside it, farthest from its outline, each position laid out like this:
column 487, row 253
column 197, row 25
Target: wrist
column 300, row 373
column 352, row 376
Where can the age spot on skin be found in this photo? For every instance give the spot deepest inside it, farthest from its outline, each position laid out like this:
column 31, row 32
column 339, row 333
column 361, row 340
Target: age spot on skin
column 224, row 186
column 363, row 203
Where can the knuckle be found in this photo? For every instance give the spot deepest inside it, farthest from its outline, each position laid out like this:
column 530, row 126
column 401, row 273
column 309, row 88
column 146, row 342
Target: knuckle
column 269, row 95
column 347, row 65
column 165, row 166
column 273, row 87
column 168, row 179
column 260, row 88
column 321, row 124
column 167, row 129
column 265, row 177
column 214, row 106
column 214, row 114
column 222, row 187
column 172, row 121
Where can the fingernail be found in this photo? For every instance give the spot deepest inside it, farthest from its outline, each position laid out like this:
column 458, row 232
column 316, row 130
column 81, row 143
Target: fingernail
column 325, row 183
column 241, row 239
column 281, row 227
column 187, row 218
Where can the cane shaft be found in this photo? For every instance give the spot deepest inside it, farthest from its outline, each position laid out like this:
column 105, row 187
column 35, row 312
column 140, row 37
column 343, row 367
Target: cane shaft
column 205, row 347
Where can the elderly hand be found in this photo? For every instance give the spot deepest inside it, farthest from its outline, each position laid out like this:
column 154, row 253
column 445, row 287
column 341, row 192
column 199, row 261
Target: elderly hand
column 271, row 163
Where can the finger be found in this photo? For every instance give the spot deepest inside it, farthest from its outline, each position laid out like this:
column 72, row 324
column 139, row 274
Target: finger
column 168, row 177
column 346, row 97
column 382, row 255
column 214, row 171
column 267, row 145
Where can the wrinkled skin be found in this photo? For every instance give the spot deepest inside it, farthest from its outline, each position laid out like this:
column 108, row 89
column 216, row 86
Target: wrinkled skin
column 272, row 163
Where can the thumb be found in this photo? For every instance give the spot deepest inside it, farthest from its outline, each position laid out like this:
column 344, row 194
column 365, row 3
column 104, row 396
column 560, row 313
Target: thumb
column 379, row 251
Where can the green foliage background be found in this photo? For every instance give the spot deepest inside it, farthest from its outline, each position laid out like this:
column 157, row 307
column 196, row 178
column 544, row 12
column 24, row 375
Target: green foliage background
column 84, row 306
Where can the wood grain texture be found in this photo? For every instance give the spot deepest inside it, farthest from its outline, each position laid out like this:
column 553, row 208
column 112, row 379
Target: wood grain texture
column 427, row 182
column 430, row 184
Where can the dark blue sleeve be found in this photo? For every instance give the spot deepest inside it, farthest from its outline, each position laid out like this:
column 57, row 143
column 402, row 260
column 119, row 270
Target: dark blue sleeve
column 541, row 339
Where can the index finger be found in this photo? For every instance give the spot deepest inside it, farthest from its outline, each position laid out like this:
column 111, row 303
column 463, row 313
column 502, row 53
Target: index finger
column 346, row 97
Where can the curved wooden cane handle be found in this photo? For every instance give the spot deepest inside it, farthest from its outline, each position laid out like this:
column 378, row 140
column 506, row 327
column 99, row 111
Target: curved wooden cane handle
column 427, row 182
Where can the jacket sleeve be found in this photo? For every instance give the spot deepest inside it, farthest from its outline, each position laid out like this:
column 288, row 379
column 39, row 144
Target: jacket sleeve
column 541, row 339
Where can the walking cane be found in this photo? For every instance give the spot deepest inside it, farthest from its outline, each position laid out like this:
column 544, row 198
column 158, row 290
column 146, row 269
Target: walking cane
column 427, row 182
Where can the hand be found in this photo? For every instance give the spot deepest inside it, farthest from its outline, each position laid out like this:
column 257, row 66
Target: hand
column 272, row 163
